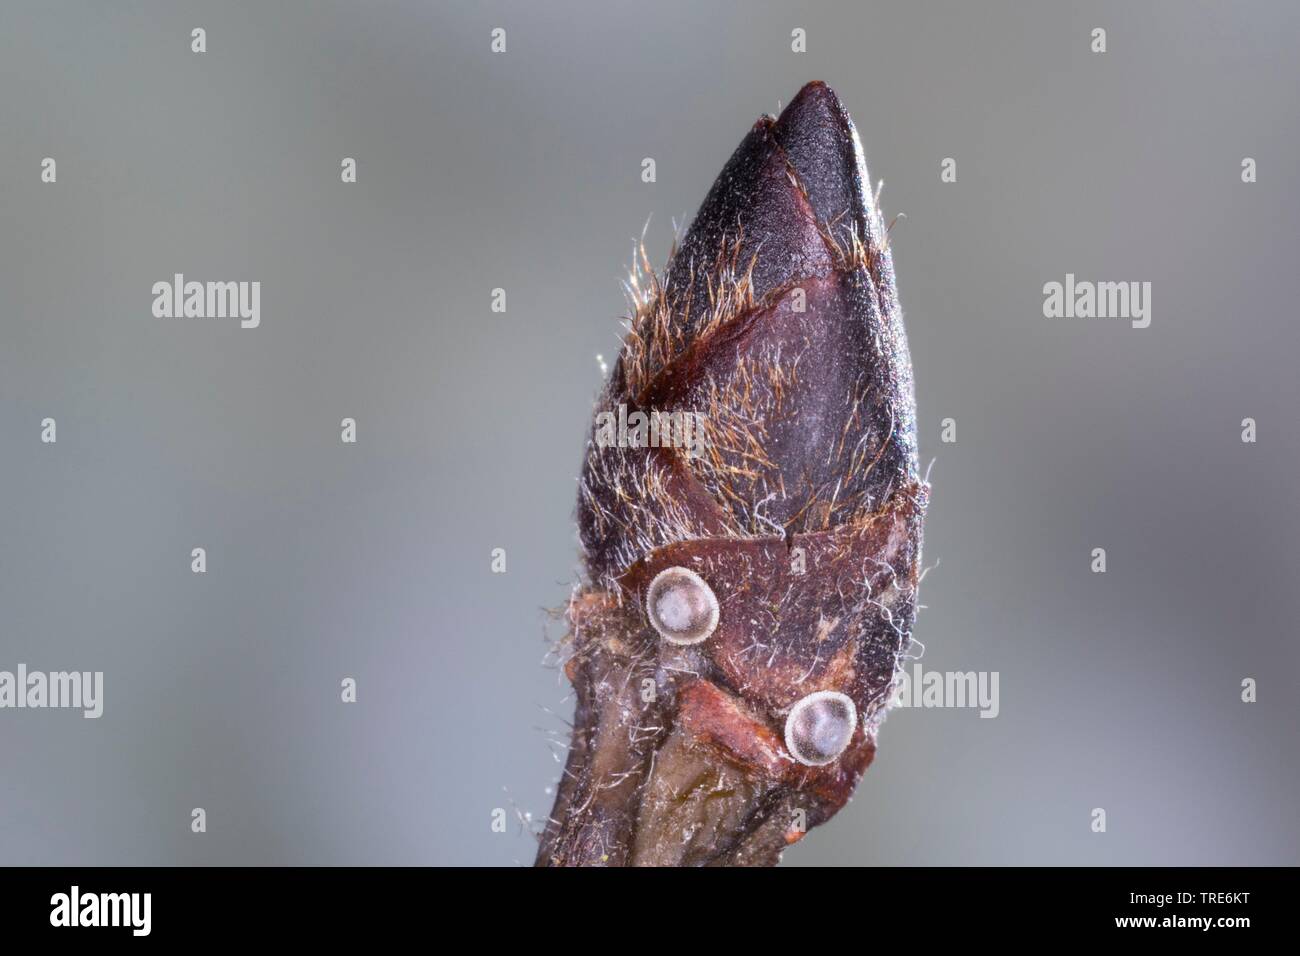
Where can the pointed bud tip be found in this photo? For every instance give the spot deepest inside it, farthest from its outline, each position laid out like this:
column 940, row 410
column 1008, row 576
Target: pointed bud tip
column 818, row 136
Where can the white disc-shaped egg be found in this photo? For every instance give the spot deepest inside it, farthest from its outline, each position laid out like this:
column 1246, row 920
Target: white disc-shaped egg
column 681, row 606
column 820, row 727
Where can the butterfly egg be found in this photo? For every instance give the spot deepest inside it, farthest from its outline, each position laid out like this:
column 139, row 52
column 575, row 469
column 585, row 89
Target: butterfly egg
column 820, row 726
column 681, row 606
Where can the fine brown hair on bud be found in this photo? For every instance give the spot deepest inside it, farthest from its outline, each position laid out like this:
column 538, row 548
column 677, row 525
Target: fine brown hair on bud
column 762, row 580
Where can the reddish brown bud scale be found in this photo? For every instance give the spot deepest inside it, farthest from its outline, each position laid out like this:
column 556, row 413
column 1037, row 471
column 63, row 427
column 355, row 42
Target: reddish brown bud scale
column 750, row 597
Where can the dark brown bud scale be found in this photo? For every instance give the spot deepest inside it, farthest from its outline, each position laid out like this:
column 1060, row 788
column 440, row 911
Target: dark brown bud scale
column 791, row 543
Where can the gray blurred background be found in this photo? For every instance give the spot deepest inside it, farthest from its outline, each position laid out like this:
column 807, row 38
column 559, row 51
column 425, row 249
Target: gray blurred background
column 522, row 171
